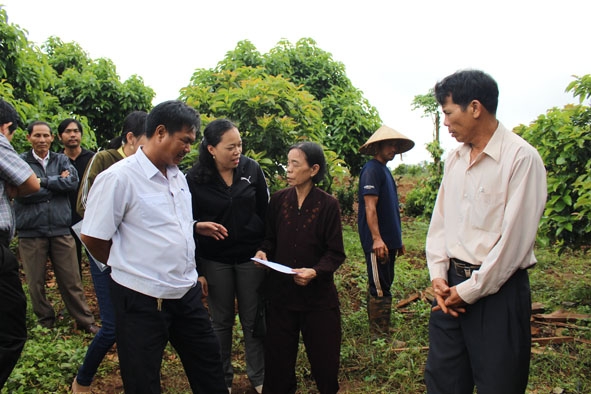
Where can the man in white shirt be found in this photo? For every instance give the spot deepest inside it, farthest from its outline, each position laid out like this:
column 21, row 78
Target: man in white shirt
column 480, row 244
column 138, row 220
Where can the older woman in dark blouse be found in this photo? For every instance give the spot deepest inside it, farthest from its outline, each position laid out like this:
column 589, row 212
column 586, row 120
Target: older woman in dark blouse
column 303, row 231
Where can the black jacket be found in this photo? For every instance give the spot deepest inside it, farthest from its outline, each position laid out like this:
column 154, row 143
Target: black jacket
column 80, row 163
column 240, row 208
column 47, row 213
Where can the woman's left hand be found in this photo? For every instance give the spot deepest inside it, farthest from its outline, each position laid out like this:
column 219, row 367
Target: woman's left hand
column 303, row 276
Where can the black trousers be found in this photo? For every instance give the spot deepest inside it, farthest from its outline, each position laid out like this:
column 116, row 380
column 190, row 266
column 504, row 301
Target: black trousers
column 321, row 332
column 142, row 332
column 13, row 309
column 380, row 275
column 488, row 346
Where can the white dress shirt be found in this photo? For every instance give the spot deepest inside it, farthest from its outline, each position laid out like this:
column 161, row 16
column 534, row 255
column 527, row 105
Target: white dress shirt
column 487, row 213
column 149, row 219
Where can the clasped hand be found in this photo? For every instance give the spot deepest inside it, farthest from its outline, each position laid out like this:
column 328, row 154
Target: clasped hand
column 448, row 299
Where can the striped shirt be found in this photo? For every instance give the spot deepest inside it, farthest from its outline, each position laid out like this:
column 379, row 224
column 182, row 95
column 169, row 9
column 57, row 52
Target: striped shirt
column 15, row 171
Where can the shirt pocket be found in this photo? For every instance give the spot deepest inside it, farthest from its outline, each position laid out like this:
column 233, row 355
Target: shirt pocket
column 488, row 211
column 155, row 209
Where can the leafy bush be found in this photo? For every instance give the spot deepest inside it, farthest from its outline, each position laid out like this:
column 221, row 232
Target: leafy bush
column 421, row 200
column 411, row 170
column 563, row 139
column 48, row 362
column 344, row 188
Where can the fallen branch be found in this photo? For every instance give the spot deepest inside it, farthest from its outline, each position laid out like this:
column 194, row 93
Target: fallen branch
column 561, row 316
column 408, row 300
column 560, row 324
column 552, row 340
column 545, row 351
column 403, row 349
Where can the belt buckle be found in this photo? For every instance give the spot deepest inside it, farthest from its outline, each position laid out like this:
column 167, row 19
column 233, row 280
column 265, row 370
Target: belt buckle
column 461, row 268
column 467, row 272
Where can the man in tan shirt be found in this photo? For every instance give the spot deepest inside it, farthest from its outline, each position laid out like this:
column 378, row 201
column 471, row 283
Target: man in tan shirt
column 480, row 245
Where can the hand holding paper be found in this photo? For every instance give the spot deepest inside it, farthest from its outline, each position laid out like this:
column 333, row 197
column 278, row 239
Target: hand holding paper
column 276, row 266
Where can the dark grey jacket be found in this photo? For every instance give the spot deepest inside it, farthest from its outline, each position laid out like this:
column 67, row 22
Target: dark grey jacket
column 47, row 213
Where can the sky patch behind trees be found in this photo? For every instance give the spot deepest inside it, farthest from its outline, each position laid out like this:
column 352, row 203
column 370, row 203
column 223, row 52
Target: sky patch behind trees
column 392, row 51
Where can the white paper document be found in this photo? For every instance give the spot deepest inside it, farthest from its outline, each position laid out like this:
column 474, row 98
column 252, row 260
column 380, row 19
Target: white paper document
column 277, row 267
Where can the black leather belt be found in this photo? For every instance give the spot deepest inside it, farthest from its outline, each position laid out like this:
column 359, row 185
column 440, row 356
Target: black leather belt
column 462, row 268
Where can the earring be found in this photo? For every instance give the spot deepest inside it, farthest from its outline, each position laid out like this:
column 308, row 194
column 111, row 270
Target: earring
column 213, row 156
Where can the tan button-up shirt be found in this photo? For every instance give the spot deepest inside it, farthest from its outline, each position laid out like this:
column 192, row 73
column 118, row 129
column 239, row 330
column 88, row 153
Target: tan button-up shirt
column 487, row 213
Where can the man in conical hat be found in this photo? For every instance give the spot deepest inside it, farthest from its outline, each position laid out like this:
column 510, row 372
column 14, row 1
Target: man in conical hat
column 379, row 223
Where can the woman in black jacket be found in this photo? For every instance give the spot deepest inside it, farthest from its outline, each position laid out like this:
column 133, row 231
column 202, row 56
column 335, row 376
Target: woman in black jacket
column 230, row 198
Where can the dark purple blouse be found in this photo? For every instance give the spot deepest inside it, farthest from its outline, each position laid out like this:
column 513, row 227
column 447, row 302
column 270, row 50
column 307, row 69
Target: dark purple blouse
column 310, row 237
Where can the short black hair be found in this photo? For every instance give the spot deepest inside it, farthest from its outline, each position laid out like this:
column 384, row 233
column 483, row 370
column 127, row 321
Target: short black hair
column 174, row 115
column 314, row 155
column 37, row 123
column 467, row 85
column 7, row 115
column 65, row 123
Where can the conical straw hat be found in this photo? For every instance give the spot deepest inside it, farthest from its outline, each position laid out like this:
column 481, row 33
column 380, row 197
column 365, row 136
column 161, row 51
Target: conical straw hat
column 387, row 133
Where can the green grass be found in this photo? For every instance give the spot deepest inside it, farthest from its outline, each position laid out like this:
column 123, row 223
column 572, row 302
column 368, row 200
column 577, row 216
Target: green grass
column 50, row 359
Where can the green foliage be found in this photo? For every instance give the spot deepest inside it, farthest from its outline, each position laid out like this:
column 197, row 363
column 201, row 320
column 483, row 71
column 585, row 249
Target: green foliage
column 293, row 92
column 343, row 186
column 349, row 118
column 23, row 65
column 581, row 87
column 350, row 121
column 48, row 362
column 421, row 200
column 411, row 170
column 563, row 139
column 97, row 93
column 59, row 80
column 430, row 107
column 270, row 112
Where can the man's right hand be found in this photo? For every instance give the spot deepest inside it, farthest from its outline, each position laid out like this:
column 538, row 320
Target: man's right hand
column 380, row 250
column 442, row 293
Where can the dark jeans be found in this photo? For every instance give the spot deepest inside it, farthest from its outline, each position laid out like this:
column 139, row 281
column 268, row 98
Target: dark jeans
column 488, row 346
column 13, row 308
column 103, row 341
column 143, row 331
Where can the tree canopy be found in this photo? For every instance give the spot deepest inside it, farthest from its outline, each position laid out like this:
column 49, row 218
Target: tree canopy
column 293, row 92
column 59, row 80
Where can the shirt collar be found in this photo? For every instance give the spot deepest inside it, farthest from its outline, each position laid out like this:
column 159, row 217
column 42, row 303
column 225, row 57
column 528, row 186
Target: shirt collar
column 42, row 161
column 492, row 148
column 150, row 169
column 121, row 152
